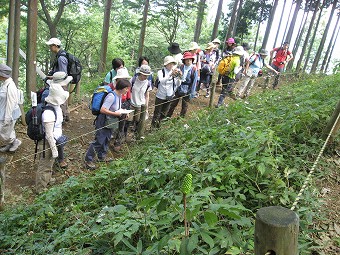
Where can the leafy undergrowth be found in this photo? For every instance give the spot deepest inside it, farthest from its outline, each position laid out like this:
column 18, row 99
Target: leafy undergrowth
column 242, row 158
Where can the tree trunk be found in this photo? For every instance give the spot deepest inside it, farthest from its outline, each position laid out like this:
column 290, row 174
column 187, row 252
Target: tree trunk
column 305, row 44
column 200, row 15
column 293, row 21
column 105, row 36
column 232, row 21
column 269, row 24
column 285, row 32
column 237, row 16
column 279, row 28
column 299, row 37
column 330, row 55
column 32, row 24
column 10, row 33
column 258, row 28
column 313, row 37
column 323, row 39
column 143, row 28
column 217, row 20
column 16, row 45
column 330, row 45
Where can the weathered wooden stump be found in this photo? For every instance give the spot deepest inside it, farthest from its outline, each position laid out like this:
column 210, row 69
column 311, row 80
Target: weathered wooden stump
column 276, row 231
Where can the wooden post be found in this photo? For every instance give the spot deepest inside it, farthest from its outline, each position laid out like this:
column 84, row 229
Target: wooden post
column 276, row 231
column 141, row 124
column 335, row 120
column 212, row 94
column 2, row 182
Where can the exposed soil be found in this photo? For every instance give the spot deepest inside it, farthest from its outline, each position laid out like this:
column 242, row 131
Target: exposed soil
column 20, row 175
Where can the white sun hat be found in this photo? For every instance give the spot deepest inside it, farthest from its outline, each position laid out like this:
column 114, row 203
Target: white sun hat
column 122, row 73
column 193, row 46
column 54, row 41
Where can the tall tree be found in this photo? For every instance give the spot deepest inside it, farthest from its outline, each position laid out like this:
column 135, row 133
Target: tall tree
column 238, row 14
column 143, row 28
column 217, row 20
column 200, row 15
column 293, row 21
column 232, row 20
column 336, row 27
column 105, row 36
column 16, row 42
column 269, row 24
column 323, row 39
column 279, row 28
column 331, row 52
column 32, row 25
column 287, row 23
column 10, row 35
column 306, row 41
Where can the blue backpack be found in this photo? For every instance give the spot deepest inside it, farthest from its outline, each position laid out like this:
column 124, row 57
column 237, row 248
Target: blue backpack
column 98, row 97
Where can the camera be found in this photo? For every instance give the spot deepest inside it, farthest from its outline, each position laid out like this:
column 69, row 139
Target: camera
column 282, row 63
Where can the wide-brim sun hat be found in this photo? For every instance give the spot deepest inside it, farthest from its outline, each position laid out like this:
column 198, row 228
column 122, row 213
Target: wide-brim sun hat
column 188, row 55
column 61, row 78
column 216, row 40
column 122, row 73
column 168, row 60
column 174, row 48
column 54, row 41
column 264, row 52
column 238, row 51
column 5, row 71
column 145, row 70
column 210, row 46
column 193, row 46
column 57, row 95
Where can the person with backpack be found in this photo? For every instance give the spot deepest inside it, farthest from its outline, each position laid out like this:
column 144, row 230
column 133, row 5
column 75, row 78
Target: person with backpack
column 9, row 110
column 116, row 64
column 106, row 124
column 252, row 69
column 168, row 79
column 51, row 120
column 140, row 90
column 280, row 59
column 143, row 60
column 228, row 67
column 230, row 45
column 187, row 88
column 208, row 66
column 67, row 63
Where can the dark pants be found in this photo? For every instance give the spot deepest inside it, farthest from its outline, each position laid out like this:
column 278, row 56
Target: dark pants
column 123, row 126
column 227, row 89
column 160, row 112
column 277, row 77
column 100, row 145
column 60, row 146
column 174, row 103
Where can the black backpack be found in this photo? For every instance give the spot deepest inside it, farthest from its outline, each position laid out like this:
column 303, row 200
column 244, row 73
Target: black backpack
column 74, row 67
column 35, row 129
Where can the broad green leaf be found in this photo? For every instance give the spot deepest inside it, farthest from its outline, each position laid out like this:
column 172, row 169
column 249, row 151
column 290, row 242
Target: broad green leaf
column 210, row 218
column 206, row 238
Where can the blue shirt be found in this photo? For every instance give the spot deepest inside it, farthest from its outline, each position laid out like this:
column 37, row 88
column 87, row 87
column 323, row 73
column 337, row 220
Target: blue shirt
column 256, row 63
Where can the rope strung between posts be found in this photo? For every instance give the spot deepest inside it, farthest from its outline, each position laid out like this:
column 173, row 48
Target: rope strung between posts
column 304, row 186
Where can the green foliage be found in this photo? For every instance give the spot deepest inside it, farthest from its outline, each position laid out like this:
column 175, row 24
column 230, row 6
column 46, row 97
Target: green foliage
column 243, row 158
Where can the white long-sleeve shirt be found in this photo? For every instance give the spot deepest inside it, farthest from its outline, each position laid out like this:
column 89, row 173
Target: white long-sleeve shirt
column 9, row 101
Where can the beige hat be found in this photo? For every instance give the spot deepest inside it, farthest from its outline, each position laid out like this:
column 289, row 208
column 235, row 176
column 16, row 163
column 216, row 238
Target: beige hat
column 169, row 59
column 193, row 46
column 57, row 95
column 145, row 69
column 238, row 51
column 122, row 73
column 5, row 71
column 210, row 46
column 54, row 41
column 216, row 40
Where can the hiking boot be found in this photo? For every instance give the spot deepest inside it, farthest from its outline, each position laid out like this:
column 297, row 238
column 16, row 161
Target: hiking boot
column 15, row 145
column 5, row 148
column 90, row 165
column 62, row 164
column 105, row 160
column 218, row 105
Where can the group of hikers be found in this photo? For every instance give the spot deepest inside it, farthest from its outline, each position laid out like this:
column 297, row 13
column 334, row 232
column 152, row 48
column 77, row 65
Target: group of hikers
column 185, row 74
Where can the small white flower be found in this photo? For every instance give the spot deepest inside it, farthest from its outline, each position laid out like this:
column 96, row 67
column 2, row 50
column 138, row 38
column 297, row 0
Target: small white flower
column 228, row 121
column 146, row 170
column 297, row 105
column 186, row 126
column 248, row 128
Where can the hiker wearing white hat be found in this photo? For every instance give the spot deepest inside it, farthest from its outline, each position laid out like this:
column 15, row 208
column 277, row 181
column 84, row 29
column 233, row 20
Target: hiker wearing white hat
column 52, row 119
column 253, row 69
column 9, row 110
column 168, row 79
